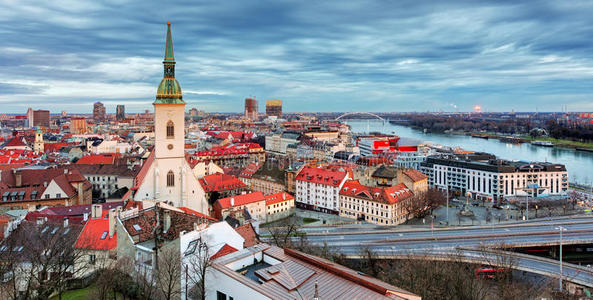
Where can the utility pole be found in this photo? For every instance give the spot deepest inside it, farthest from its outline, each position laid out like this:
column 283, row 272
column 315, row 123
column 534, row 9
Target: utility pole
column 447, row 205
column 560, row 228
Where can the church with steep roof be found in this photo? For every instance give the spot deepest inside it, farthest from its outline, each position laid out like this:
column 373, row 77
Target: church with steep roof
column 166, row 176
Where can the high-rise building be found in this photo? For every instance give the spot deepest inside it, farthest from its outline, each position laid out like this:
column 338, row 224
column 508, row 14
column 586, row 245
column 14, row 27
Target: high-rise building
column 120, row 113
column 78, row 126
column 30, row 117
column 251, row 108
column 41, row 118
column 98, row 111
column 193, row 112
column 274, row 108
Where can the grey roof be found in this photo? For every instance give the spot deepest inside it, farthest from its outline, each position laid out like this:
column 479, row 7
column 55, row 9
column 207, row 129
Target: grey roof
column 385, row 172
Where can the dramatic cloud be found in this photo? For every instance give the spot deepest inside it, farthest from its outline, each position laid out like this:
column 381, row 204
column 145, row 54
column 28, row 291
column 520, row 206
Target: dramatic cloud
column 316, row 56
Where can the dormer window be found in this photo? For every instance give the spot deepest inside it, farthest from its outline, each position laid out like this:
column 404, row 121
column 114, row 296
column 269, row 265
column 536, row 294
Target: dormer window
column 170, row 130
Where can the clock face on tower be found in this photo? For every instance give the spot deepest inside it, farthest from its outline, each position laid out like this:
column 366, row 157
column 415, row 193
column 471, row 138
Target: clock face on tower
column 170, row 146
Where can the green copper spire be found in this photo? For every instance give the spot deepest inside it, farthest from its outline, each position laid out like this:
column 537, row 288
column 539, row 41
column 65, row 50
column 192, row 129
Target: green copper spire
column 169, row 46
column 169, row 91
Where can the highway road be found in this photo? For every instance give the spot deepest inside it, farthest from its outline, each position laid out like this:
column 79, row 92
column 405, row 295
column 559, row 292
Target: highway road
column 442, row 243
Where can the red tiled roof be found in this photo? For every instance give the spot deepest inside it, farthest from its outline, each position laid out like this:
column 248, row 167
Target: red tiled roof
column 15, row 142
column 221, row 182
column 415, row 175
column 248, row 234
column 145, row 221
column 322, row 176
column 278, row 197
column 251, row 169
column 143, row 170
column 389, row 195
column 54, row 147
column 192, row 212
column 241, row 199
column 97, row 159
column 226, row 249
column 93, row 231
column 37, row 178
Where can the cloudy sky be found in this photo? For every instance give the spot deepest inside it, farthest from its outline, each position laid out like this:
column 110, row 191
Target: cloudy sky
column 314, row 55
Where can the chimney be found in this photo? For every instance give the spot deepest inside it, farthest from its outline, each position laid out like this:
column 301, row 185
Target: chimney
column 18, row 176
column 167, row 220
column 45, row 184
column 111, row 222
column 65, row 171
column 316, row 295
column 40, row 221
column 65, row 222
column 232, row 201
column 96, row 211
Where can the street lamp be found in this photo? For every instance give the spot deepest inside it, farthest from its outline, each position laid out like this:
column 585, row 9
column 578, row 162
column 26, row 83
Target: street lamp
column 447, row 204
column 560, row 228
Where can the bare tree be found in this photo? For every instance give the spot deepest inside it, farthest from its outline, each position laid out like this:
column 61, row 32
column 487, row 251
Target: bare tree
column 168, row 276
column 423, row 203
column 196, row 266
column 285, row 231
column 43, row 259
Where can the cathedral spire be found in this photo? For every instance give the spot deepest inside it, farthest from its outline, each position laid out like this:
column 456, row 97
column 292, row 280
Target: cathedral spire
column 169, row 91
column 169, row 45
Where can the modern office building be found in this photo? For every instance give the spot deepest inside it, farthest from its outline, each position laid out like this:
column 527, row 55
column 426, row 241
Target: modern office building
column 483, row 176
column 98, row 111
column 120, row 113
column 274, row 108
column 41, row 118
column 251, row 108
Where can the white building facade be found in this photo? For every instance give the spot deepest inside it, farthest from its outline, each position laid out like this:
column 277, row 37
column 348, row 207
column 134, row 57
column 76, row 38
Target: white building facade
column 319, row 189
column 487, row 178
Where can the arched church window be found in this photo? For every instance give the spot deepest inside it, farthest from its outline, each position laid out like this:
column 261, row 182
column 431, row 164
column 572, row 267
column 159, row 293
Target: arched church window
column 170, row 130
column 170, row 179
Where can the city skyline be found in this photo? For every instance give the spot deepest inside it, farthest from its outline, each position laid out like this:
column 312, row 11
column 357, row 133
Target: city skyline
column 328, row 57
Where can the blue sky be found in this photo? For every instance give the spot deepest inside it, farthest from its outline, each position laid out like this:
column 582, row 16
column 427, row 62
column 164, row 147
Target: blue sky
column 314, row 55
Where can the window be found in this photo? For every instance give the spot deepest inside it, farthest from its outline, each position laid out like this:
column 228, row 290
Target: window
column 58, row 195
column 92, row 259
column 170, row 179
column 104, row 235
column 220, row 295
column 170, row 130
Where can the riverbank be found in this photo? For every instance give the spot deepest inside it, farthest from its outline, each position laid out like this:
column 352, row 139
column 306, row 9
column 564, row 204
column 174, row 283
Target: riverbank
column 524, row 139
column 557, row 142
column 565, row 143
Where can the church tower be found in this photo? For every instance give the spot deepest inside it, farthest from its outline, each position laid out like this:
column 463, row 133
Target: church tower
column 169, row 177
column 38, row 144
column 169, row 109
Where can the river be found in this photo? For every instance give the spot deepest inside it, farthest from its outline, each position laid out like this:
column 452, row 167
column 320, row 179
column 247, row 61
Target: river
column 578, row 163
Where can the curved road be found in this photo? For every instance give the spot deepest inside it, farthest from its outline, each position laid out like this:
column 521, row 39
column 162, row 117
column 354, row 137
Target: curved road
column 442, row 243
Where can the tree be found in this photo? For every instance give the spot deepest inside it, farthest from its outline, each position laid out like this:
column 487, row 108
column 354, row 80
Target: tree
column 42, row 259
column 283, row 233
column 423, row 203
column 168, row 275
column 196, row 266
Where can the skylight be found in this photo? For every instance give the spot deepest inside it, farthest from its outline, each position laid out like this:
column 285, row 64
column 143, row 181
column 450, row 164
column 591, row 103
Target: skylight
column 136, row 227
column 104, row 235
